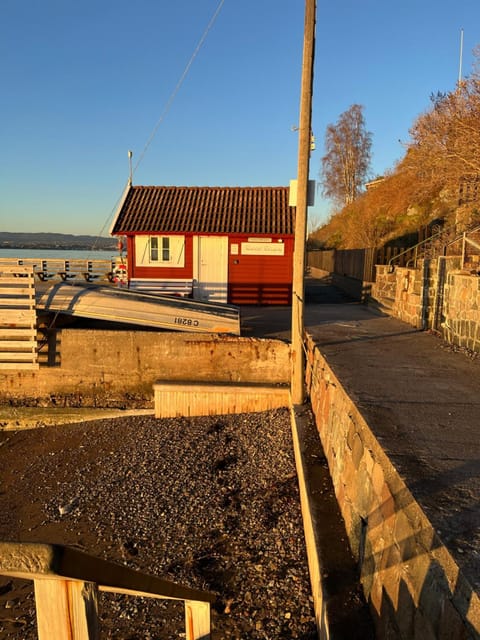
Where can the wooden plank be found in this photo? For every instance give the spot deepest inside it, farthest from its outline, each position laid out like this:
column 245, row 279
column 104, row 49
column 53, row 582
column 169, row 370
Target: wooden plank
column 19, row 269
column 66, row 610
column 16, row 356
column 15, row 305
column 33, row 561
column 8, row 304
column 24, row 292
column 22, row 345
column 22, row 281
column 19, row 332
column 197, row 620
column 19, row 365
column 16, row 316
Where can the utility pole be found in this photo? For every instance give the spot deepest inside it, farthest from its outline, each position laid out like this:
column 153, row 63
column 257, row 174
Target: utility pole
column 304, row 142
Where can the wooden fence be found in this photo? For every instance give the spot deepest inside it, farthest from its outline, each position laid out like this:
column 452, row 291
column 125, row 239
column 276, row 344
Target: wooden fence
column 18, row 321
column 356, row 263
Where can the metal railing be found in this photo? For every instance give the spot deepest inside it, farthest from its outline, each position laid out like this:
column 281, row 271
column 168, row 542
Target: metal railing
column 468, row 242
column 67, row 583
column 425, row 248
column 435, row 245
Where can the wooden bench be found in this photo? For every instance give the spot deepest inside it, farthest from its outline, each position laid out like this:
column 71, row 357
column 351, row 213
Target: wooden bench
column 95, row 271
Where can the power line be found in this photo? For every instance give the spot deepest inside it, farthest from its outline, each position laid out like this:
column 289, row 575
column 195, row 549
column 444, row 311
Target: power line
column 179, row 83
column 166, row 109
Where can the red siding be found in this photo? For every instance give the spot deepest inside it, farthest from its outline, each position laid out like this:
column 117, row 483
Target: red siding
column 252, row 279
column 260, row 279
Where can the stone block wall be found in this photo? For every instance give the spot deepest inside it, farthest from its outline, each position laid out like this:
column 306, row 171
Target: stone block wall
column 435, row 296
column 461, row 324
column 412, row 583
column 385, row 286
column 400, row 293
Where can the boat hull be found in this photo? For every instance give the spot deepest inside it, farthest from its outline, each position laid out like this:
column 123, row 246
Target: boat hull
column 149, row 310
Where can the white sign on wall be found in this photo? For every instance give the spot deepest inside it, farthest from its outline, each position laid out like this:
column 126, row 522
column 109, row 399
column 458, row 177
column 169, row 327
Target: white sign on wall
column 263, row 248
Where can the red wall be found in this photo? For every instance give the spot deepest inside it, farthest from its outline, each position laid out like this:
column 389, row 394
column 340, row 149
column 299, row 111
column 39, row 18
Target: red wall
column 260, row 280
column 252, row 279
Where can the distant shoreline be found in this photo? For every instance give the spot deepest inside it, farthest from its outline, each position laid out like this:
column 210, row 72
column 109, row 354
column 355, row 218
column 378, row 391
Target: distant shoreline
column 63, row 247
column 55, row 242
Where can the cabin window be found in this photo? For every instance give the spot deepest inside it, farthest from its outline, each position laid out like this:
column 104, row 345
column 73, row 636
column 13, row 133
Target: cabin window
column 166, row 249
column 154, row 249
column 160, row 251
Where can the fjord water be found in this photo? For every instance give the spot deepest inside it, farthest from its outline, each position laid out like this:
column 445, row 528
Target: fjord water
column 58, row 254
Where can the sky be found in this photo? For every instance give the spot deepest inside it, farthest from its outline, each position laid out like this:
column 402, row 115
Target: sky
column 203, row 92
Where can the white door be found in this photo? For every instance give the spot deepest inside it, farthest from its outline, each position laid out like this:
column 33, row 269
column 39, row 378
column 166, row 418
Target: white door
column 212, row 269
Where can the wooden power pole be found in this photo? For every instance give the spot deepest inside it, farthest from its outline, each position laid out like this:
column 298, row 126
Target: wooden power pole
column 304, row 147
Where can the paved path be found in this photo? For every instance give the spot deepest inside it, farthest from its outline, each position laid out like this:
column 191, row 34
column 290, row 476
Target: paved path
column 420, row 396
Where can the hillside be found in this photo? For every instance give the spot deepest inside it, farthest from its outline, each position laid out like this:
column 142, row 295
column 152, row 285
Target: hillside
column 14, row 240
column 437, row 180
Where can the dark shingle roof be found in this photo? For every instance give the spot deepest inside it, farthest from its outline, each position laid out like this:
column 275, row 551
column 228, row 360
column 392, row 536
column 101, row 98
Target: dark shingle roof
column 255, row 210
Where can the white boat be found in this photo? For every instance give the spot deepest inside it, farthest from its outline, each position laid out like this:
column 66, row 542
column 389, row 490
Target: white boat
column 148, row 310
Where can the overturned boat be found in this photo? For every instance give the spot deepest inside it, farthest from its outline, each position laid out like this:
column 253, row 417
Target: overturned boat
column 148, row 310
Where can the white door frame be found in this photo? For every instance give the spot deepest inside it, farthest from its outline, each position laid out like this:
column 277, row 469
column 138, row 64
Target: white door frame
column 210, row 268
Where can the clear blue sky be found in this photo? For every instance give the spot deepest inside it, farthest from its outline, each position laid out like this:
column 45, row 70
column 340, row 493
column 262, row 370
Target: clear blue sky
column 84, row 82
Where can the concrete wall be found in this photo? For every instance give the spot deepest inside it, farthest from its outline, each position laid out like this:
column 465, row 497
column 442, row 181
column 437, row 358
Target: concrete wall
column 411, row 581
column 118, row 368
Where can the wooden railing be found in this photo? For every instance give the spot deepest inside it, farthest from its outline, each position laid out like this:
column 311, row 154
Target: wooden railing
column 67, row 583
column 49, row 268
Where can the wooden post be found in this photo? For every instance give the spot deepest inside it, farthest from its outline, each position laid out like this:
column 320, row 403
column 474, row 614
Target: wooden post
column 304, row 142
column 66, row 610
column 197, row 620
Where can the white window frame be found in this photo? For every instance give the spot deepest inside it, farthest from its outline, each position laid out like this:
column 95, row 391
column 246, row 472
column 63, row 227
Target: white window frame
column 160, row 250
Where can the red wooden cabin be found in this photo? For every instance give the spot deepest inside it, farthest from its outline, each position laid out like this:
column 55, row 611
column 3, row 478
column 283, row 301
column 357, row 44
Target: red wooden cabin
column 224, row 244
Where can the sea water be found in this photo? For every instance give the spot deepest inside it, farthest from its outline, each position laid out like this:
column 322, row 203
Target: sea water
column 58, row 254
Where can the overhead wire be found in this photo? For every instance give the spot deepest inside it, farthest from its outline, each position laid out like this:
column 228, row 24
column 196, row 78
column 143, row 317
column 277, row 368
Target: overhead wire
column 168, row 104
column 179, row 83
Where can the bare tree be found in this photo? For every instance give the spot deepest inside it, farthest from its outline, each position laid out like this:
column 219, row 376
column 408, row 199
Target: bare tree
column 445, row 141
column 346, row 162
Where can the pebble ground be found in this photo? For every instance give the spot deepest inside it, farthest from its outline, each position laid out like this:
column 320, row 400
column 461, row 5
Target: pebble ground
column 208, row 502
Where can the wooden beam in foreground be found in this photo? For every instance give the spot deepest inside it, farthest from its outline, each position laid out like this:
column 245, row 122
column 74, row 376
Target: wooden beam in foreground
column 66, row 585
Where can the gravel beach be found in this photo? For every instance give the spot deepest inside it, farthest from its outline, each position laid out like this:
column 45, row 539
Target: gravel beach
column 208, row 502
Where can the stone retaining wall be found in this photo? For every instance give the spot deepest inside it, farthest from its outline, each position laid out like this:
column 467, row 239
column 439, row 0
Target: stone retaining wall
column 118, row 368
column 411, row 581
column 462, row 311
column 435, row 296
